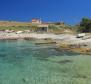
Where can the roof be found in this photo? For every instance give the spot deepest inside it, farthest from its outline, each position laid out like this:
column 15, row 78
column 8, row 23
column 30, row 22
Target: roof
column 34, row 20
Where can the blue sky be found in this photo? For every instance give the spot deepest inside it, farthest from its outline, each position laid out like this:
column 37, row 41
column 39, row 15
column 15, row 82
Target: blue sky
column 69, row 11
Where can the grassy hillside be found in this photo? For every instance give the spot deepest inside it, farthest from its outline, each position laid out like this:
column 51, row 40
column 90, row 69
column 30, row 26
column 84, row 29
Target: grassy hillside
column 61, row 29
column 15, row 28
column 12, row 23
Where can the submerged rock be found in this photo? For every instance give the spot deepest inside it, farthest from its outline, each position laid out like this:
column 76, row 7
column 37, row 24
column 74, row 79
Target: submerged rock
column 65, row 61
column 25, row 80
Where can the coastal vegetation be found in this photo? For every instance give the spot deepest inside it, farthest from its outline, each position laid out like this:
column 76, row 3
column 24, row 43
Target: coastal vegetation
column 85, row 25
column 21, row 26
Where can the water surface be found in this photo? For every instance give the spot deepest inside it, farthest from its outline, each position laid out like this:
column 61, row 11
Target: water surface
column 23, row 62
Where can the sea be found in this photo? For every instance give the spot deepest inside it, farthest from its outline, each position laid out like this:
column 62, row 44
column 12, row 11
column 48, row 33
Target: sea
column 24, row 62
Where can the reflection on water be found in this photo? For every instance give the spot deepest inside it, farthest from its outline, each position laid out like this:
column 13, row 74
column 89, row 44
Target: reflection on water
column 23, row 62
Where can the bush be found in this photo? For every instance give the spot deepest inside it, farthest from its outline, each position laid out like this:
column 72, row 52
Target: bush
column 85, row 25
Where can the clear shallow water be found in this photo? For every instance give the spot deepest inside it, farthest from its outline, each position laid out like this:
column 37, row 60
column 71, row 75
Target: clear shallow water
column 23, row 62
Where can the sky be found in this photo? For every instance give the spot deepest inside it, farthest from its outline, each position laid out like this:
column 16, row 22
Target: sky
column 68, row 11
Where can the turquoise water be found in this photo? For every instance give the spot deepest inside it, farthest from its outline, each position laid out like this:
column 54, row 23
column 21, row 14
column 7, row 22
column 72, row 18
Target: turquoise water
column 23, row 62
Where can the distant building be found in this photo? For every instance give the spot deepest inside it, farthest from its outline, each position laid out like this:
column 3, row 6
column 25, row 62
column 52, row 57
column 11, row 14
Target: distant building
column 36, row 21
column 42, row 28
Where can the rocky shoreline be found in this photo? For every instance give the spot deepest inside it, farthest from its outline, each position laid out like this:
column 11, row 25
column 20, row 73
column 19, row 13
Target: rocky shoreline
column 66, row 41
column 82, row 48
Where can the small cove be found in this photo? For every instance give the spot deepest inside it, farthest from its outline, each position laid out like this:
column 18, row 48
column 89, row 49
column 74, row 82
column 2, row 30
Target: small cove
column 23, row 62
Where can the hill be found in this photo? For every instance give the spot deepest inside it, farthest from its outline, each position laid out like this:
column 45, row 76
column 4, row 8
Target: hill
column 13, row 24
column 53, row 27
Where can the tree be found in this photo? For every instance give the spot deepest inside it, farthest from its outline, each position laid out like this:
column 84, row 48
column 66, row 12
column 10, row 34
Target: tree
column 85, row 25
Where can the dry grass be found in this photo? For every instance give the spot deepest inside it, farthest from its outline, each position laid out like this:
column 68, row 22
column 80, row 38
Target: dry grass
column 9, row 24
